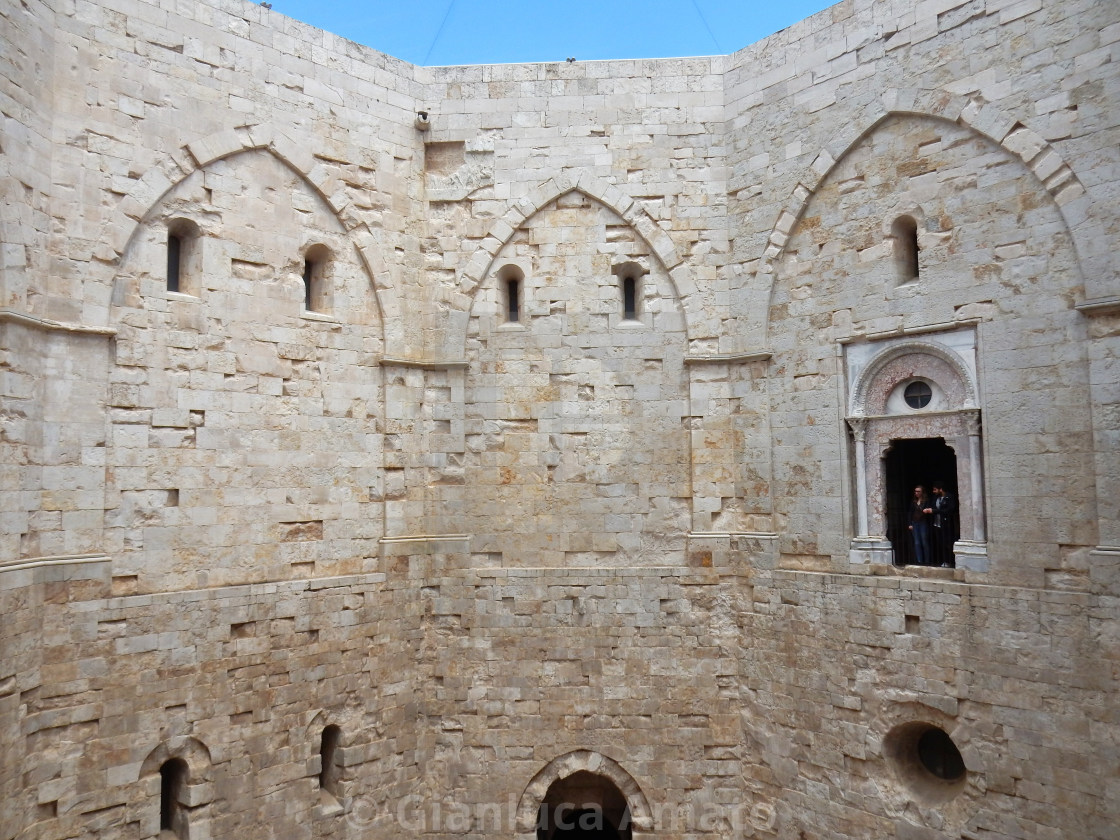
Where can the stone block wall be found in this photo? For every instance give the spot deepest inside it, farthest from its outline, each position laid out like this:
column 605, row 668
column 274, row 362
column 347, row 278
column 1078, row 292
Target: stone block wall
column 987, row 234
column 504, row 547
column 863, row 656
column 26, row 106
column 240, row 682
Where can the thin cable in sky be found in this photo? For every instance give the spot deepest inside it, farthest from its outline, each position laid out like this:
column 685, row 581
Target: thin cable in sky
column 704, row 20
column 439, row 31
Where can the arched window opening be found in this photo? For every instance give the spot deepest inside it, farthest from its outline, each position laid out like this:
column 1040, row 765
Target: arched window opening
column 629, row 276
column 315, row 262
column 329, row 770
column 583, row 806
column 172, row 814
column 510, row 283
column 905, row 234
column 182, row 256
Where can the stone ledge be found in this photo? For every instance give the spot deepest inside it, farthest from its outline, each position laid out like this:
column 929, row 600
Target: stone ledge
column 16, row 574
column 11, row 316
column 430, row 364
column 729, row 358
column 1099, row 306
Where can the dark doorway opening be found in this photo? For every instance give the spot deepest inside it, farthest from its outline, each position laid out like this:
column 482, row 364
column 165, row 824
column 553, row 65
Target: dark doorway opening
column 909, row 463
column 584, row 824
column 583, row 806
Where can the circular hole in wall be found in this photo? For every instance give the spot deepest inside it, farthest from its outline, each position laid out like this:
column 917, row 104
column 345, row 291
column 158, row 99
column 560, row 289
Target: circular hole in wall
column 926, row 760
column 918, row 394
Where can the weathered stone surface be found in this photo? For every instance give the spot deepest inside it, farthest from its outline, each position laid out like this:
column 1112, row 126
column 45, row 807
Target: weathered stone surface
column 644, row 555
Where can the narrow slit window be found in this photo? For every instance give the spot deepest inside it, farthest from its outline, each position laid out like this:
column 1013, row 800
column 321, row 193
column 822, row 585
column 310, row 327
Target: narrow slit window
column 513, row 300
column 172, row 816
column 510, row 290
column 174, row 261
column 905, row 233
column 630, row 298
column 308, row 282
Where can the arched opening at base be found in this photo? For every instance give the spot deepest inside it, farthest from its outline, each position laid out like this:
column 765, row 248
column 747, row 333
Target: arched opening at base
column 910, row 464
column 583, row 806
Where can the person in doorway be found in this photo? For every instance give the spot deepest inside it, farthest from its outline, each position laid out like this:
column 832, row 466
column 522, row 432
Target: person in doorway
column 944, row 530
column 920, row 511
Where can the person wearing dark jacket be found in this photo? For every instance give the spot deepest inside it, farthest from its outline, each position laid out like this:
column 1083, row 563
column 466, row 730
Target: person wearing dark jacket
column 944, row 525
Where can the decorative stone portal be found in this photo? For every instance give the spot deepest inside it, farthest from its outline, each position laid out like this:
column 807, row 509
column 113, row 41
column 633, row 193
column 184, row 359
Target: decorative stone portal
column 915, row 419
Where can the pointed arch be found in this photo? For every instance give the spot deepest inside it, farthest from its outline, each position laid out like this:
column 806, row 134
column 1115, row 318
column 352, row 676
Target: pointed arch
column 626, row 208
column 986, row 119
column 124, row 225
column 571, row 763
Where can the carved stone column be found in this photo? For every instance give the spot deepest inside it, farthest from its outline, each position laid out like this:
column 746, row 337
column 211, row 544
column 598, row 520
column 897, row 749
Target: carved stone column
column 972, row 420
column 858, row 425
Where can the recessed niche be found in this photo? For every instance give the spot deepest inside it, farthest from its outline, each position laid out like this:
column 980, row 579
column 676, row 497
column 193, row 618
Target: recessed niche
column 316, row 263
column 183, row 257
column 444, row 158
column 330, row 772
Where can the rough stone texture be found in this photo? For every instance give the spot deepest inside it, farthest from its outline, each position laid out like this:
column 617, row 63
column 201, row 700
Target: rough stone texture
column 647, row 550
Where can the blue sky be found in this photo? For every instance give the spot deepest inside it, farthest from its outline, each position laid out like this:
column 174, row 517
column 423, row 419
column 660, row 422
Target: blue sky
column 437, row 32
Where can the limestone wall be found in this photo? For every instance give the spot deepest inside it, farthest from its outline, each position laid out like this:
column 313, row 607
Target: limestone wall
column 501, row 545
column 205, row 674
column 762, row 700
column 992, row 247
column 26, row 108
